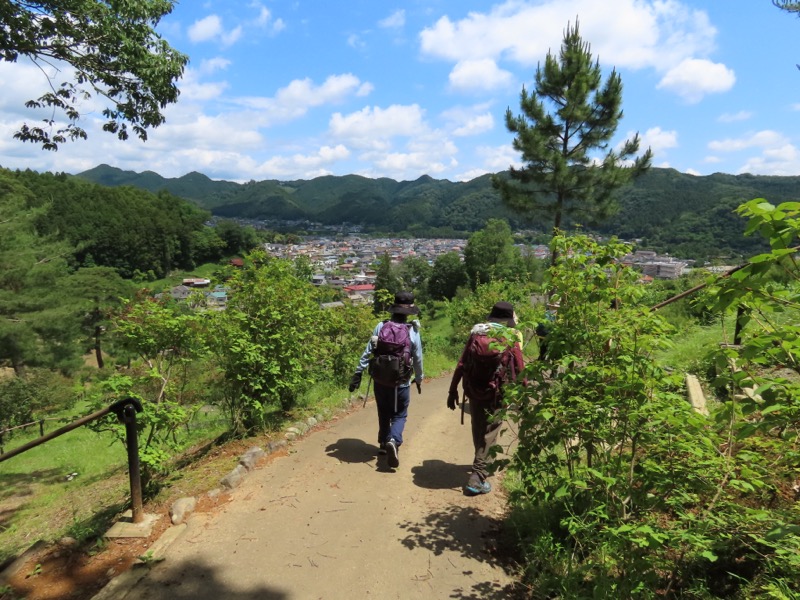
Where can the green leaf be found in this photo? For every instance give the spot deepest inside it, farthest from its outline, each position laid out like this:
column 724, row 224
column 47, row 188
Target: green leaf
column 708, row 555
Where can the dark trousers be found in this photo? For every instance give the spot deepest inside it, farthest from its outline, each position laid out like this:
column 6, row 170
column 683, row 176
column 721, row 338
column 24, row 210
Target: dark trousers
column 392, row 412
column 484, row 434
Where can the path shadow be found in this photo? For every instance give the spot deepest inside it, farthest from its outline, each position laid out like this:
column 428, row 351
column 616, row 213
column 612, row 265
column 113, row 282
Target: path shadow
column 352, row 451
column 474, row 535
column 440, row 475
column 189, row 581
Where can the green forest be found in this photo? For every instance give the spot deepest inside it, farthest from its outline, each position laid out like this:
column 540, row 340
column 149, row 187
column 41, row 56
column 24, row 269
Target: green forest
column 685, row 215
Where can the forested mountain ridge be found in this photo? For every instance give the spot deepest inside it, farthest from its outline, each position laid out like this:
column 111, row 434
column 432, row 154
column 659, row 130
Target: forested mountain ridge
column 133, row 231
column 687, row 215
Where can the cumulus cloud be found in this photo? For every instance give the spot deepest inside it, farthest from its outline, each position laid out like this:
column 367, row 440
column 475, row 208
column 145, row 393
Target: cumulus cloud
column 303, row 165
column 371, row 127
column 693, row 78
column 657, row 140
column 300, row 95
column 479, row 75
column 663, row 35
column 499, row 158
column 210, row 28
column 394, row 21
column 777, row 155
column 468, row 121
column 205, row 29
column 778, row 160
column 760, row 139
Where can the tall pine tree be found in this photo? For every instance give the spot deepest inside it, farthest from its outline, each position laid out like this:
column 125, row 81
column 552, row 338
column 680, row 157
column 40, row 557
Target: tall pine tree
column 563, row 133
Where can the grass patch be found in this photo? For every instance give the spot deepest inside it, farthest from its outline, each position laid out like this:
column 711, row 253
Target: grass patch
column 75, row 484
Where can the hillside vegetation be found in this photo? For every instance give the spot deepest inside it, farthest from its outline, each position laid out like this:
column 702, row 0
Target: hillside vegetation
column 685, row 215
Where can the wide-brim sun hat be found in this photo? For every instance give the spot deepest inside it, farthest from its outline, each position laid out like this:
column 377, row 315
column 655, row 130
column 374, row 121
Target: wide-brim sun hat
column 502, row 312
column 404, row 304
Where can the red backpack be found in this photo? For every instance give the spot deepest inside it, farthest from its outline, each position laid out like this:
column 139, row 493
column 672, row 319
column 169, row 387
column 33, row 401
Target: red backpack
column 488, row 364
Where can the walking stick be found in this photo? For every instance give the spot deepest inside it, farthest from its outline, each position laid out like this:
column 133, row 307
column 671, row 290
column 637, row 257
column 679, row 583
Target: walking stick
column 366, row 397
column 463, row 400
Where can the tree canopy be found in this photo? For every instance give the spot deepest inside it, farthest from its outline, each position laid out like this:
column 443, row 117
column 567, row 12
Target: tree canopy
column 100, row 49
column 566, row 123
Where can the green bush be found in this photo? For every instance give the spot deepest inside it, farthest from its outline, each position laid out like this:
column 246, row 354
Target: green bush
column 639, row 495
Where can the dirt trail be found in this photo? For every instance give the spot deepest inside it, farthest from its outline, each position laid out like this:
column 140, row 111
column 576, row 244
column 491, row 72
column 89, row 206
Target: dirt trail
column 331, row 520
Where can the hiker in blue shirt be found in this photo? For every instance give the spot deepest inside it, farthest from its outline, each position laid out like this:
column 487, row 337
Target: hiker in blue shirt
column 392, row 376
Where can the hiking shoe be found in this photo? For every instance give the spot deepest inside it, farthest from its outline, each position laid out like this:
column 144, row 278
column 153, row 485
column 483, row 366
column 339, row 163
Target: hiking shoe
column 391, row 454
column 382, row 448
column 475, row 486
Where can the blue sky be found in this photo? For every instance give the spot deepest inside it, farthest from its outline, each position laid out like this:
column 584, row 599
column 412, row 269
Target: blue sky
column 295, row 90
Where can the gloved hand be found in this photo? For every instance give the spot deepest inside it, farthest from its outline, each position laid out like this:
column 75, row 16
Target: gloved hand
column 452, row 400
column 355, row 382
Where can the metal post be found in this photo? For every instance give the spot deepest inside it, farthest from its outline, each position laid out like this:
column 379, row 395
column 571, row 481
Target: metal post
column 737, row 334
column 132, row 442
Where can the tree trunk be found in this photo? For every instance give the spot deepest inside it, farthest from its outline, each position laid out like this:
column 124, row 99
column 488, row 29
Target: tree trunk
column 97, row 350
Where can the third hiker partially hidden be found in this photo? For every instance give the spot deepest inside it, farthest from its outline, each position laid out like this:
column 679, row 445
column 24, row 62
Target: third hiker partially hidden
column 492, row 356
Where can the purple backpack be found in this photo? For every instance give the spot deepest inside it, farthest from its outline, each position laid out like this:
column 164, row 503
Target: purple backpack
column 391, row 357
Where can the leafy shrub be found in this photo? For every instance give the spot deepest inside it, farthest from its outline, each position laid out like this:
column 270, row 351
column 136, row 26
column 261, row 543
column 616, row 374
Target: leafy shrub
column 644, row 497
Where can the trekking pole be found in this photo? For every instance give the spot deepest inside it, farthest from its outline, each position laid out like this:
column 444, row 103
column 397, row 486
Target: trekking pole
column 463, row 400
column 366, row 396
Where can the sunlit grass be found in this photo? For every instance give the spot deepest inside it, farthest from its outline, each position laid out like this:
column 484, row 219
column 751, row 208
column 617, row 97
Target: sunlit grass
column 58, row 487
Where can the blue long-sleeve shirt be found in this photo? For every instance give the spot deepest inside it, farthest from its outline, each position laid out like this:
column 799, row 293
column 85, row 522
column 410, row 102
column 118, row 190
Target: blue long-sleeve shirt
column 416, row 352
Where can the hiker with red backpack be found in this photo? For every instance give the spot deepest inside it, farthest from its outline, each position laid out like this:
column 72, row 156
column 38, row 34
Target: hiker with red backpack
column 392, row 355
column 491, row 357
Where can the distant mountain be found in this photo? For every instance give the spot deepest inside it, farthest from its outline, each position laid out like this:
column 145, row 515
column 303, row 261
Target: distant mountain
column 194, row 186
column 687, row 215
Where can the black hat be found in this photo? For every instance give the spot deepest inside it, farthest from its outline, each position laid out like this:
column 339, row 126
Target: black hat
column 404, row 304
column 502, row 312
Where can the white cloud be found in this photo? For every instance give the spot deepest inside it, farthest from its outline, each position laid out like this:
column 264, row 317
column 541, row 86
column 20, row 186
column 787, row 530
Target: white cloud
column 760, row 139
column 265, row 20
column 657, row 34
column 210, row 28
column 300, row 95
column 468, row 121
column 693, row 78
column 742, row 115
column 231, row 37
column 479, row 75
column 499, row 158
column 778, row 156
column 205, row 29
column 777, row 160
column 636, row 33
column 193, row 90
column 355, row 41
column 372, row 127
column 475, row 125
column 394, row 21
column 303, row 165
column 657, row 140
column 212, row 65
